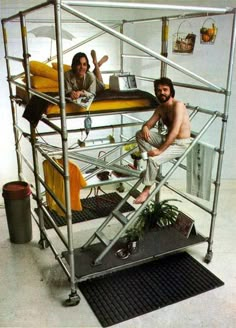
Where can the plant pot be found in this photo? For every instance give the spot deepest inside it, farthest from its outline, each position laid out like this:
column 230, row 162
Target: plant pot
column 133, row 246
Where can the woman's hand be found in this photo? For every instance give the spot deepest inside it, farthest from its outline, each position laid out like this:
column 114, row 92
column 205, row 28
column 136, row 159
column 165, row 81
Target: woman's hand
column 154, row 152
column 146, row 133
column 75, row 94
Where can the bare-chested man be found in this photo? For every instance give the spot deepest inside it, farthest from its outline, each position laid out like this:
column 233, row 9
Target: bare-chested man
column 173, row 114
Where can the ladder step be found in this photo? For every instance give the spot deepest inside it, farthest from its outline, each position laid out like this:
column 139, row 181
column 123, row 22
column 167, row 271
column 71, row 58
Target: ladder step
column 123, row 220
column 134, row 193
column 101, row 236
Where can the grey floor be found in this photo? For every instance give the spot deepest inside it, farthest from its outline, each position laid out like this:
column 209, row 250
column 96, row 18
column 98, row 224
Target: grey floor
column 33, row 285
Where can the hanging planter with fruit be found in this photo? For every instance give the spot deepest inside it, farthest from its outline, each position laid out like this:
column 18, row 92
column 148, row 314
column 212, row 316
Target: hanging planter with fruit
column 208, row 31
column 183, row 43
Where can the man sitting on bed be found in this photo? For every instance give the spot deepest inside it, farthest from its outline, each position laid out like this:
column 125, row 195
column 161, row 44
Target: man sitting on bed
column 168, row 144
column 79, row 81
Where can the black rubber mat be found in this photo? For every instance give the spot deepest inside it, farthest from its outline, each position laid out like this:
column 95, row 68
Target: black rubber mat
column 135, row 291
column 93, row 208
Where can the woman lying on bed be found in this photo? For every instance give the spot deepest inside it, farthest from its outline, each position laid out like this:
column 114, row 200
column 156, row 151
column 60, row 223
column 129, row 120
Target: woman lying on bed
column 79, row 81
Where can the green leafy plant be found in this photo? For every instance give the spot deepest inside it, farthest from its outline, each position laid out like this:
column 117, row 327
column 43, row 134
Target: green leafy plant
column 136, row 232
column 164, row 214
column 136, row 155
column 160, row 214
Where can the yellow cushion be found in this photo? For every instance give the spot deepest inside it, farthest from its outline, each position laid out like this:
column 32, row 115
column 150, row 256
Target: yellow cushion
column 41, row 69
column 42, row 82
column 65, row 67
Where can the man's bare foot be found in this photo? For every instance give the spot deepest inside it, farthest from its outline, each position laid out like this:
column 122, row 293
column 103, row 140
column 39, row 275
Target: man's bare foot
column 102, row 60
column 143, row 196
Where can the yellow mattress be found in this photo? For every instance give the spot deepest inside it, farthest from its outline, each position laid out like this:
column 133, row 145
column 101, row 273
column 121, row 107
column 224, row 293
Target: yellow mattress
column 100, row 106
column 105, row 105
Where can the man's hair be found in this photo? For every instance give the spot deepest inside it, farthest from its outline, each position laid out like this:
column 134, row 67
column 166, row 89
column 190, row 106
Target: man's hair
column 76, row 60
column 165, row 81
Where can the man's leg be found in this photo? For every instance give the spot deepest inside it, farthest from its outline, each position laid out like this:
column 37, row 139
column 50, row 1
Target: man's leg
column 153, row 163
column 155, row 140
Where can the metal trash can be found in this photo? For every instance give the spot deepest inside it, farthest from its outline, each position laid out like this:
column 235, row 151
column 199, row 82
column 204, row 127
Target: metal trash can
column 16, row 196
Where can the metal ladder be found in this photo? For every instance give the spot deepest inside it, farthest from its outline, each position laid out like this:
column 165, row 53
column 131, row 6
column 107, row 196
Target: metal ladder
column 124, row 220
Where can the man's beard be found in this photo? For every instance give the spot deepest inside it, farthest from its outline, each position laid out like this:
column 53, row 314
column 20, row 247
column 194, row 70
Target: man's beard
column 163, row 98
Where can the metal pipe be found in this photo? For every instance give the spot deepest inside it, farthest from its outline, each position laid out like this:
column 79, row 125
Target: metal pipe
column 121, row 49
column 164, row 45
column 176, row 17
column 193, row 114
column 107, row 153
column 114, row 126
column 36, row 93
column 84, row 149
column 40, row 179
column 50, row 133
column 91, row 38
column 184, row 85
column 24, row 12
column 65, row 21
column 163, row 72
column 198, row 87
column 122, row 136
column 105, row 165
column 138, row 57
column 58, row 26
column 223, row 134
column 133, row 118
column 179, row 192
column 148, row 6
column 53, row 126
column 139, row 46
column 32, row 128
column 21, row 60
column 13, row 110
column 49, row 159
column 55, row 227
column 204, row 111
column 57, row 255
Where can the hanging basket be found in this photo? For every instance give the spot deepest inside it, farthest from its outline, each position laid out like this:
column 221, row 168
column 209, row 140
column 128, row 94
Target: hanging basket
column 208, row 31
column 183, row 42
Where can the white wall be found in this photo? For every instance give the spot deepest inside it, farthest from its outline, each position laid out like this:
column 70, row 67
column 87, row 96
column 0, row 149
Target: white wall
column 208, row 61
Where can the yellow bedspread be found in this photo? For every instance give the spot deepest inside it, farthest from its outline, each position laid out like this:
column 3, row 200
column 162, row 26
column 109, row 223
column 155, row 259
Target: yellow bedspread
column 100, row 106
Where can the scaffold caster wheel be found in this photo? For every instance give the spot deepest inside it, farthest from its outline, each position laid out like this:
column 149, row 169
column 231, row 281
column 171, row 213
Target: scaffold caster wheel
column 208, row 257
column 43, row 243
column 73, row 300
column 120, row 188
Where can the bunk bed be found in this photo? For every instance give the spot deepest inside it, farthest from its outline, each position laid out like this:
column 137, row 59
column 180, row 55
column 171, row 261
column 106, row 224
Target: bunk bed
column 78, row 265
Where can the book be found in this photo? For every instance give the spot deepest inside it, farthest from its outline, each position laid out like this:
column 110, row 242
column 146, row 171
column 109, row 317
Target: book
column 85, row 101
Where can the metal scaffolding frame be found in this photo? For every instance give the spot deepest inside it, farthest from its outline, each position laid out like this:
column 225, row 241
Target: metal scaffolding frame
column 48, row 152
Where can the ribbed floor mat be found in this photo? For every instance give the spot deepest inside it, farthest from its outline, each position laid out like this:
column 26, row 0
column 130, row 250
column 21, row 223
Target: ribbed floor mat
column 93, row 208
column 130, row 293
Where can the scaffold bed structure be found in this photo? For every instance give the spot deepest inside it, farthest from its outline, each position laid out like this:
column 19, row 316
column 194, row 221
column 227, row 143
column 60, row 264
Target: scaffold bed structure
column 94, row 259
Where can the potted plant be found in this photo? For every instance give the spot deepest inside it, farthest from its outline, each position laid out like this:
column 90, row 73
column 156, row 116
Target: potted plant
column 134, row 234
column 136, row 156
column 160, row 213
column 155, row 214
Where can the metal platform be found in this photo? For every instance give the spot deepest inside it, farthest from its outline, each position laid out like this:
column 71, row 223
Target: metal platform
column 154, row 244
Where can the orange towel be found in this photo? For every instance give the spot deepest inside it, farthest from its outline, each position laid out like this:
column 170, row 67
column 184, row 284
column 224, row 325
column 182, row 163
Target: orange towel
column 55, row 182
